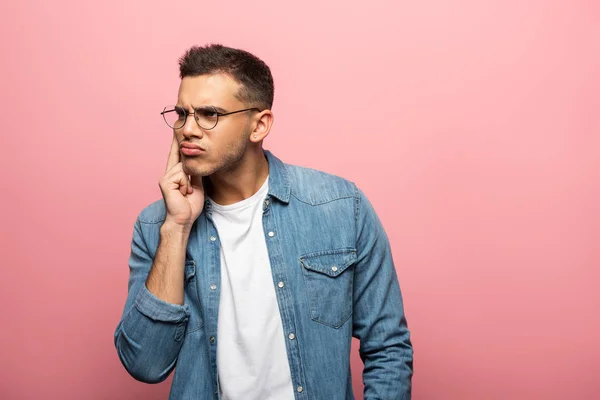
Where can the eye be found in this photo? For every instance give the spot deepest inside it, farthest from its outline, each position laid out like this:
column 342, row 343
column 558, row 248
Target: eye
column 180, row 112
column 206, row 113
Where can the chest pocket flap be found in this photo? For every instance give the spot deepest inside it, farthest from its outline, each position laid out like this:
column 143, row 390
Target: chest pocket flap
column 329, row 262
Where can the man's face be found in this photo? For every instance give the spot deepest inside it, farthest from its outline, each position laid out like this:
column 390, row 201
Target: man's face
column 226, row 143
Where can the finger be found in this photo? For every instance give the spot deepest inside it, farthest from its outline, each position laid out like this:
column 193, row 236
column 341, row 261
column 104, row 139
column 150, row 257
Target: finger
column 174, row 171
column 184, row 184
column 173, row 154
column 177, row 181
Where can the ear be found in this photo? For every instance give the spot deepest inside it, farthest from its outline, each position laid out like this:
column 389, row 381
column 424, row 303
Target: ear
column 262, row 126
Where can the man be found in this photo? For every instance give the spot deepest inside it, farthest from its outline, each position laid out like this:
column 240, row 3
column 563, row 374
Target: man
column 251, row 276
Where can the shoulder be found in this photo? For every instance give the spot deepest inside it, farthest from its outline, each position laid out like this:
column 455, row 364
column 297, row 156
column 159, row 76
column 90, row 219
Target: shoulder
column 316, row 187
column 154, row 213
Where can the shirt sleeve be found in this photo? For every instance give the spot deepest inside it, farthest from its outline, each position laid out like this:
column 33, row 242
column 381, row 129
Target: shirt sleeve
column 379, row 321
column 149, row 335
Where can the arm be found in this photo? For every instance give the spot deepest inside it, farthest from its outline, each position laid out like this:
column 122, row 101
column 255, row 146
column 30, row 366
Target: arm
column 379, row 322
column 149, row 335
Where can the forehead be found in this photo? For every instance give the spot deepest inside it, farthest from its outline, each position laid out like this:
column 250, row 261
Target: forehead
column 214, row 89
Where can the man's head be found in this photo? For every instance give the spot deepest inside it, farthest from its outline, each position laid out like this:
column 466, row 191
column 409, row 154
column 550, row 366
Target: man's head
column 228, row 80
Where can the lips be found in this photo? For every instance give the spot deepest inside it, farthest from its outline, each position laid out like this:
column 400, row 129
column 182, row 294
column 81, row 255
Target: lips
column 191, row 146
column 191, row 149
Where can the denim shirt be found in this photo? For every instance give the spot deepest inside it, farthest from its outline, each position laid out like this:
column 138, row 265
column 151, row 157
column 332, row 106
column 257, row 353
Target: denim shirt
column 334, row 278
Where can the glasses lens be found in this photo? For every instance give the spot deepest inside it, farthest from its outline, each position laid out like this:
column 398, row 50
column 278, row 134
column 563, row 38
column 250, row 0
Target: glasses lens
column 206, row 117
column 174, row 116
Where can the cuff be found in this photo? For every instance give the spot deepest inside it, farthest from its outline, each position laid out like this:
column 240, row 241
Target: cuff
column 159, row 310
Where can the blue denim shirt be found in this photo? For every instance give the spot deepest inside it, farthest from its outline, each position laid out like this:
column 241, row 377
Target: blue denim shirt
column 327, row 246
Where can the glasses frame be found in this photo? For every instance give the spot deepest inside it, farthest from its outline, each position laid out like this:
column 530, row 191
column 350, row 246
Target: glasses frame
column 219, row 114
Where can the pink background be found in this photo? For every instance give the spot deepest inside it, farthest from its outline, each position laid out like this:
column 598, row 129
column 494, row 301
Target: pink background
column 472, row 126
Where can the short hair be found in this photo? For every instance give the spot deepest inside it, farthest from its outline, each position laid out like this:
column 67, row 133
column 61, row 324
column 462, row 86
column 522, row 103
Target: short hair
column 252, row 73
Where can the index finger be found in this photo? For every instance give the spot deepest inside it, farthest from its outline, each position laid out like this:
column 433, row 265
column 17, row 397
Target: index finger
column 173, row 154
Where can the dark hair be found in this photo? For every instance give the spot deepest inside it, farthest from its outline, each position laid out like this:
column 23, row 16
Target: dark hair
column 252, row 73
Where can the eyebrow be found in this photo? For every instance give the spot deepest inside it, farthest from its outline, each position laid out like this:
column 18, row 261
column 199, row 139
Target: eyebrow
column 219, row 109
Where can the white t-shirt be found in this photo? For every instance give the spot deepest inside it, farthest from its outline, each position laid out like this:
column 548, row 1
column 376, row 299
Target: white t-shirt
column 251, row 356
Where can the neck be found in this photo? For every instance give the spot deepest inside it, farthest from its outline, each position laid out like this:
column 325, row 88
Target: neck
column 241, row 180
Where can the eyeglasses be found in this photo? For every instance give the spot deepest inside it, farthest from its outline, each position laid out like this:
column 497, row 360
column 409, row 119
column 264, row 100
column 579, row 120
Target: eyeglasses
column 206, row 117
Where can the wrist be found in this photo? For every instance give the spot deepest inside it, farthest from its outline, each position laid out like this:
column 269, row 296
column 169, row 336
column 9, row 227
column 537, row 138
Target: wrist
column 170, row 227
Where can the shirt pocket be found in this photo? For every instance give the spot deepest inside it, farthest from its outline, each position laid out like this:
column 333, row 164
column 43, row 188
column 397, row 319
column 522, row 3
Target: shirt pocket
column 329, row 277
column 192, row 299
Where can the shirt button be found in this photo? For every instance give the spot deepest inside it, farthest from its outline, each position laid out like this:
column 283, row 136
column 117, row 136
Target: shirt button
column 212, row 238
column 213, row 287
column 299, row 389
column 266, row 202
column 292, row 336
column 212, row 339
column 280, row 284
column 271, row 234
column 334, row 268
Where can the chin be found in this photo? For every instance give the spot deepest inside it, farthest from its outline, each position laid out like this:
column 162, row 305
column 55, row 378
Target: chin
column 192, row 168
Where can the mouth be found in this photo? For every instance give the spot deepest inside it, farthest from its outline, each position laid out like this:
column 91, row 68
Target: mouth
column 190, row 149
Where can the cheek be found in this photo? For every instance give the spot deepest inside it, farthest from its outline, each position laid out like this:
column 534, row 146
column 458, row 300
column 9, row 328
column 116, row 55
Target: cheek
column 228, row 137
column 222, row 139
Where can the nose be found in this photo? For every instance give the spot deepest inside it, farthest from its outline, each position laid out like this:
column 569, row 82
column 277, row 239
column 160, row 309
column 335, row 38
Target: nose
column 191, row 128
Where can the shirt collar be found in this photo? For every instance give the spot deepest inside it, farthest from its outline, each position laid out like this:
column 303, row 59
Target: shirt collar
column 279, row 180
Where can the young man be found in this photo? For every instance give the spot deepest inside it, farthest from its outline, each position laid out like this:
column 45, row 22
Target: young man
column 251, row 276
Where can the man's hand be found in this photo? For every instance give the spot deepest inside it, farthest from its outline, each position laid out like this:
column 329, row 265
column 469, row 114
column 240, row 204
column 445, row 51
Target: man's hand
column 184, row 196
